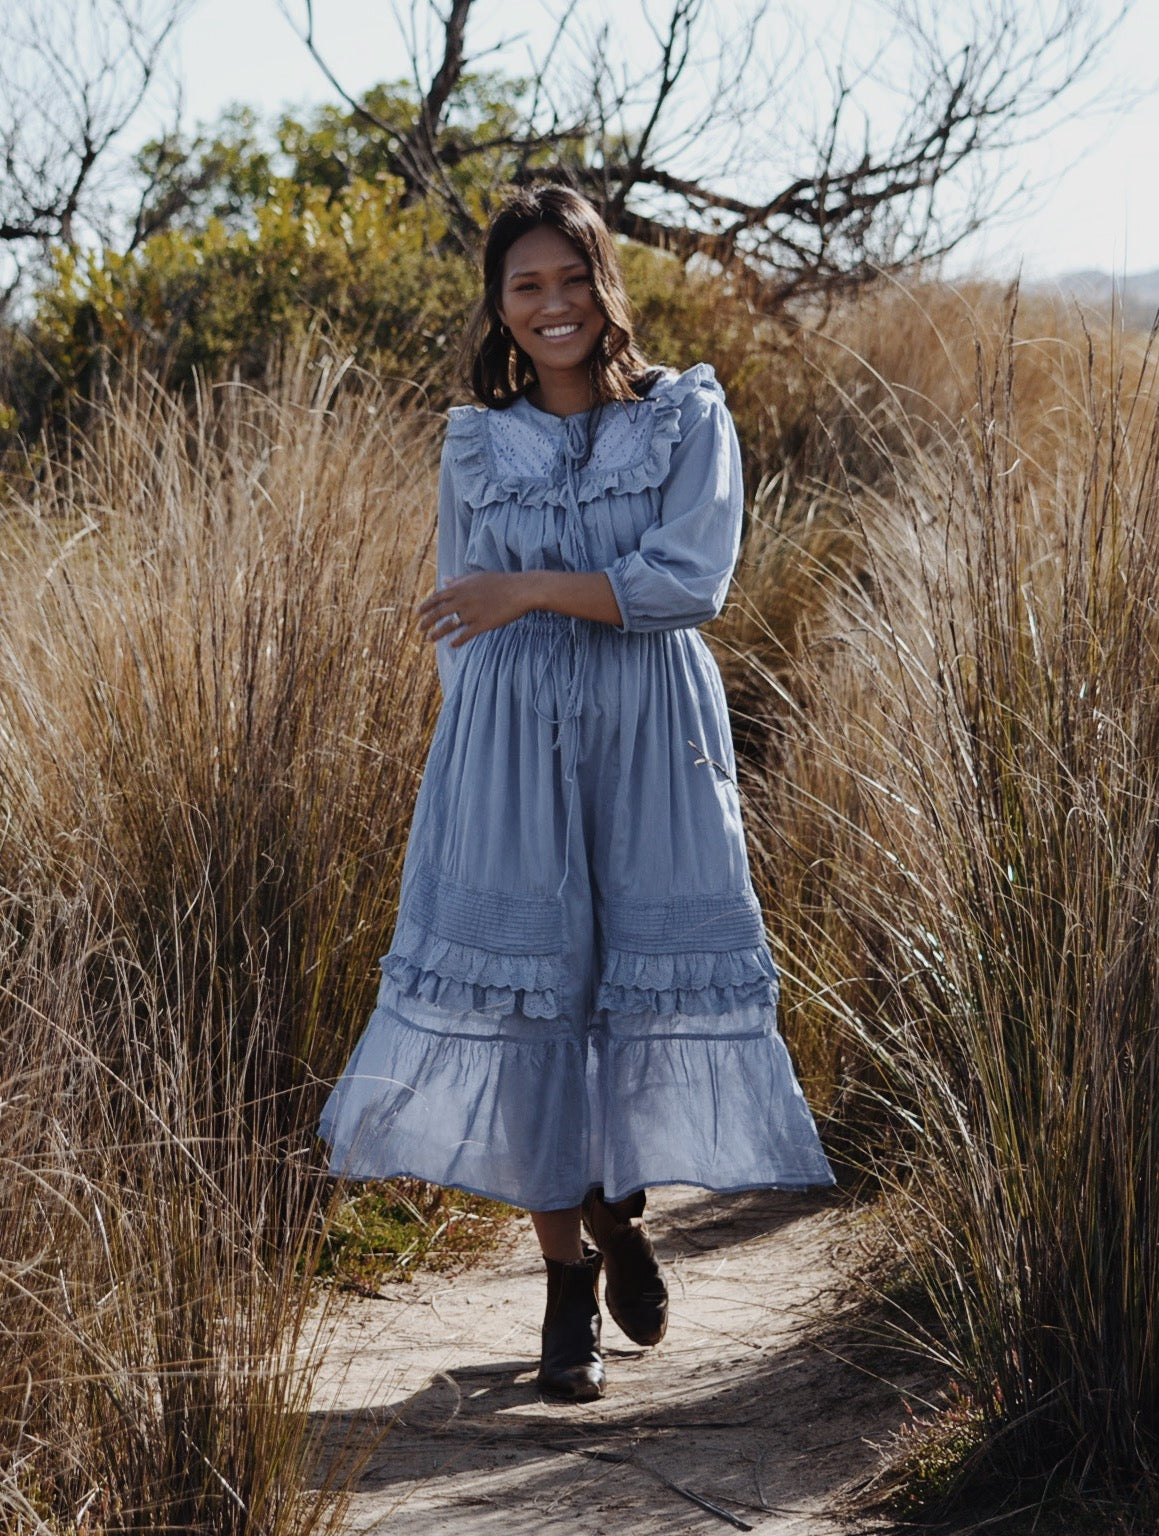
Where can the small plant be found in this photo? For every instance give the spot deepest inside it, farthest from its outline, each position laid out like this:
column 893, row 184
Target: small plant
column 387, row 1231
column 931, row 1453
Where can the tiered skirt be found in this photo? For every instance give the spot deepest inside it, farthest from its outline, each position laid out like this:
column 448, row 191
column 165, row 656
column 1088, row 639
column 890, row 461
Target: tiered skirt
column 579, row 991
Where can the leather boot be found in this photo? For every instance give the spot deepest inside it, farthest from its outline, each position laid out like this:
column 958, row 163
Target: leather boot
column 570, row 1366
column 634, row 1285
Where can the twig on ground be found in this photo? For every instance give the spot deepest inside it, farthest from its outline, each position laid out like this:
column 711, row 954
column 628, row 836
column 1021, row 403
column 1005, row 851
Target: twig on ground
column 685, row 1493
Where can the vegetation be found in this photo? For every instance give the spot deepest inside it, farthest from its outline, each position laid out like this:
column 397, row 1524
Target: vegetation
column 213, row 711
column 860, row 154
column 389, row 1230
column 958, row 842
column 942, row 656
column 221, row 299
column 271, row 252
column 212, row 719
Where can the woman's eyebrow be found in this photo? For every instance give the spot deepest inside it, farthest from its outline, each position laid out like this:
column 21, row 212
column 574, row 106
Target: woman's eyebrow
column 570, row 266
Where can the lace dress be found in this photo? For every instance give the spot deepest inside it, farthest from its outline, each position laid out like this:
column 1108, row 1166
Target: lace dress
column 579, row 990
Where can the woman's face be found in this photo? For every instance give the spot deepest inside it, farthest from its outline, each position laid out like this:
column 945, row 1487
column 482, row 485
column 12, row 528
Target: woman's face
column 547, row 302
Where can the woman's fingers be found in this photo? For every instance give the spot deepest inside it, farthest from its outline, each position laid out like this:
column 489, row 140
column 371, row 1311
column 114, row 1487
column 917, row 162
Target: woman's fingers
column 468, row 605
column 437, row 615
column 440, row 619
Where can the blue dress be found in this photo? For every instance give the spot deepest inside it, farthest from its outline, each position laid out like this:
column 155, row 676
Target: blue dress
column 579, row 990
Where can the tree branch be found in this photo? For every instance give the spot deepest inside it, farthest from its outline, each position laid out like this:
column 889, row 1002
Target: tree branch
column 640, row 145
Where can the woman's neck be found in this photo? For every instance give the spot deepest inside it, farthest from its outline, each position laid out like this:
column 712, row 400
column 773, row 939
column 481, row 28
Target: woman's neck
column 566, row 395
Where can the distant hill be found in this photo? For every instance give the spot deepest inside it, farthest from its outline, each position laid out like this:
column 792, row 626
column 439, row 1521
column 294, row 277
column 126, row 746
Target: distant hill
column 1136, row 295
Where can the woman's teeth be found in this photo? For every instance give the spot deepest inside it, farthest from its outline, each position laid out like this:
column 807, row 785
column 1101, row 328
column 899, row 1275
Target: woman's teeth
column 558, row 330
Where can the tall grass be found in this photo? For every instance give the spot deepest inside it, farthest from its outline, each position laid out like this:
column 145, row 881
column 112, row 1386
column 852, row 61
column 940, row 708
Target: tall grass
column 959, row 838
column 212, row 717
column 944, row 657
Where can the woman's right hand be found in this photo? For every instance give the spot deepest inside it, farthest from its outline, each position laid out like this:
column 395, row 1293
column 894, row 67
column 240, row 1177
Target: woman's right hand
column 468, row 605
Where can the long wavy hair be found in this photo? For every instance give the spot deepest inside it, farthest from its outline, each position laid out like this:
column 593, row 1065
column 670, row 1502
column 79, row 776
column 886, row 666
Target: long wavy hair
column 499, row 371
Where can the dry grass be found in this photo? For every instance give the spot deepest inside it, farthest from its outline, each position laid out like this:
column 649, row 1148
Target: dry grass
column 944, row 658
column 212, row 718
column 957, row 829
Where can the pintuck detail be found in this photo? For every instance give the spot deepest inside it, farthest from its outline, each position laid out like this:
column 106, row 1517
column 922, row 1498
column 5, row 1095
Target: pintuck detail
column 480, row 950
column 712, row 923
column 688, row 955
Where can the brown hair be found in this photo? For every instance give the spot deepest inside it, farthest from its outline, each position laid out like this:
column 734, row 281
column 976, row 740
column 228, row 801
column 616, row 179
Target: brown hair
column 499, row 370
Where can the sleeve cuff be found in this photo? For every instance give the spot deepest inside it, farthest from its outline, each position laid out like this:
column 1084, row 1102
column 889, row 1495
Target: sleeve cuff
column 615, row 575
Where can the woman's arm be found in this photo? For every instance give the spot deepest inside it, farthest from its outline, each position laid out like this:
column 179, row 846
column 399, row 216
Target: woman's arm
column 677, row 577
column 679, row 573
column 468, row 605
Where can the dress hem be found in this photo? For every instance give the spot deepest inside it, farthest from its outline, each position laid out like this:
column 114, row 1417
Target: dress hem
column 611, row 1193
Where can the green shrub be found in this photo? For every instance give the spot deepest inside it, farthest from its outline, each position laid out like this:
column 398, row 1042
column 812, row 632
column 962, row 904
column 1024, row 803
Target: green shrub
column 361, row 273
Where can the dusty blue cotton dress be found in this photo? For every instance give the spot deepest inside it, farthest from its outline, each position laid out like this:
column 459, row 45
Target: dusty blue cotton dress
column 579, row 990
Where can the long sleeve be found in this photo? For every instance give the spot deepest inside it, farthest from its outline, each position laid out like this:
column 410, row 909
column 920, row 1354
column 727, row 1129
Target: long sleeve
column 678, row 576
column 451, row 557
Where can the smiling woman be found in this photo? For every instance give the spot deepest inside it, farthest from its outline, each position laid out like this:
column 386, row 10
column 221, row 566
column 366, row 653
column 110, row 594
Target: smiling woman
column 579, row 1000
column 560, row 277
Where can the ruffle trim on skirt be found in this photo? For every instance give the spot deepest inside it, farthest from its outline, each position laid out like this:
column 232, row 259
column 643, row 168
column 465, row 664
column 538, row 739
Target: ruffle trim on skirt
column 535, row 1115
column 710, row 983
column 463, row 980
column 474, row 951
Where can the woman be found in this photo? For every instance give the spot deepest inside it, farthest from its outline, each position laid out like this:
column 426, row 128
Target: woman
column 579, row 1000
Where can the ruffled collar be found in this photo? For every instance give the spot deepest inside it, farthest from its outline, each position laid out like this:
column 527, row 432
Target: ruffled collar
column 524, row 454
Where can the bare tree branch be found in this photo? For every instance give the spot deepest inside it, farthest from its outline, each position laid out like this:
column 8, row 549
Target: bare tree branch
column 449, row 70
column 678, row 165
column 73, row 75
column 675, row 49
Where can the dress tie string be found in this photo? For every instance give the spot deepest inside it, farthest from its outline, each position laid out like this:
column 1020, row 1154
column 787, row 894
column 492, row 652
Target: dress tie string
column 567, row 657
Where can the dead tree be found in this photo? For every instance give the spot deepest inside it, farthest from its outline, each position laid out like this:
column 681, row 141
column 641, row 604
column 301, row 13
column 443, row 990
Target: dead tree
column 73, row 74
column 683, row 151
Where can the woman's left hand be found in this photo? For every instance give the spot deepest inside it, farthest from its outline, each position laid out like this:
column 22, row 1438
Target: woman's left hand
column 468, row 605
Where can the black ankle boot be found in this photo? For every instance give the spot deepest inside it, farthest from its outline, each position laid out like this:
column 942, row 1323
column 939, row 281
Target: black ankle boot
column 570, row 1366
column 634, row 1286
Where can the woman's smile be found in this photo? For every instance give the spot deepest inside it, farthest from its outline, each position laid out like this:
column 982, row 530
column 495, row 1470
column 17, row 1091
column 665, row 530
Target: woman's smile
column 550, row 309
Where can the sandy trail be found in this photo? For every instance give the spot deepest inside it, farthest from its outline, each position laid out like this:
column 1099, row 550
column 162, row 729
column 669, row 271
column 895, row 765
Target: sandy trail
column 747, row 1405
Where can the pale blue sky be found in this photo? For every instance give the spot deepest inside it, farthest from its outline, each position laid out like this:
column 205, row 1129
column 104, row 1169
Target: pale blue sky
column 1095, row 203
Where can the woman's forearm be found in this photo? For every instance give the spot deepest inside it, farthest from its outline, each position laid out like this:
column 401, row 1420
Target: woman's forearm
column 469, row 605
column 576, row 594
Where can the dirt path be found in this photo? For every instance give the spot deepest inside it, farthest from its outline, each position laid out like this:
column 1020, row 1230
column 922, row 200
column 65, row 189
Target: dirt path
column 747, row 1405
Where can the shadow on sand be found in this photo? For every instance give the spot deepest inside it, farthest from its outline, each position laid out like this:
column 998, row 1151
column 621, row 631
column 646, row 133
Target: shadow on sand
column 760, row 1435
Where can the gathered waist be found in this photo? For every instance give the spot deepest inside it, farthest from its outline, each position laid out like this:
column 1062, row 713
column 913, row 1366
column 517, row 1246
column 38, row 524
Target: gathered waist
column 545, row 619
column 543, row 636
column 544, row 623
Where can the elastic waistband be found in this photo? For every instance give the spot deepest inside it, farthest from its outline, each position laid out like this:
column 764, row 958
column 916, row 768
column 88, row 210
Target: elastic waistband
column 543, row 618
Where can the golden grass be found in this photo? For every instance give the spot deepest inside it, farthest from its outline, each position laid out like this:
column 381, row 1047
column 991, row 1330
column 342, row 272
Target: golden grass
column 213, row 713
column 942, row 653
column 955, row 823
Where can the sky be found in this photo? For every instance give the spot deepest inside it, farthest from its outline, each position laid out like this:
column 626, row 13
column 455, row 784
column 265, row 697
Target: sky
column 1090, row 178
